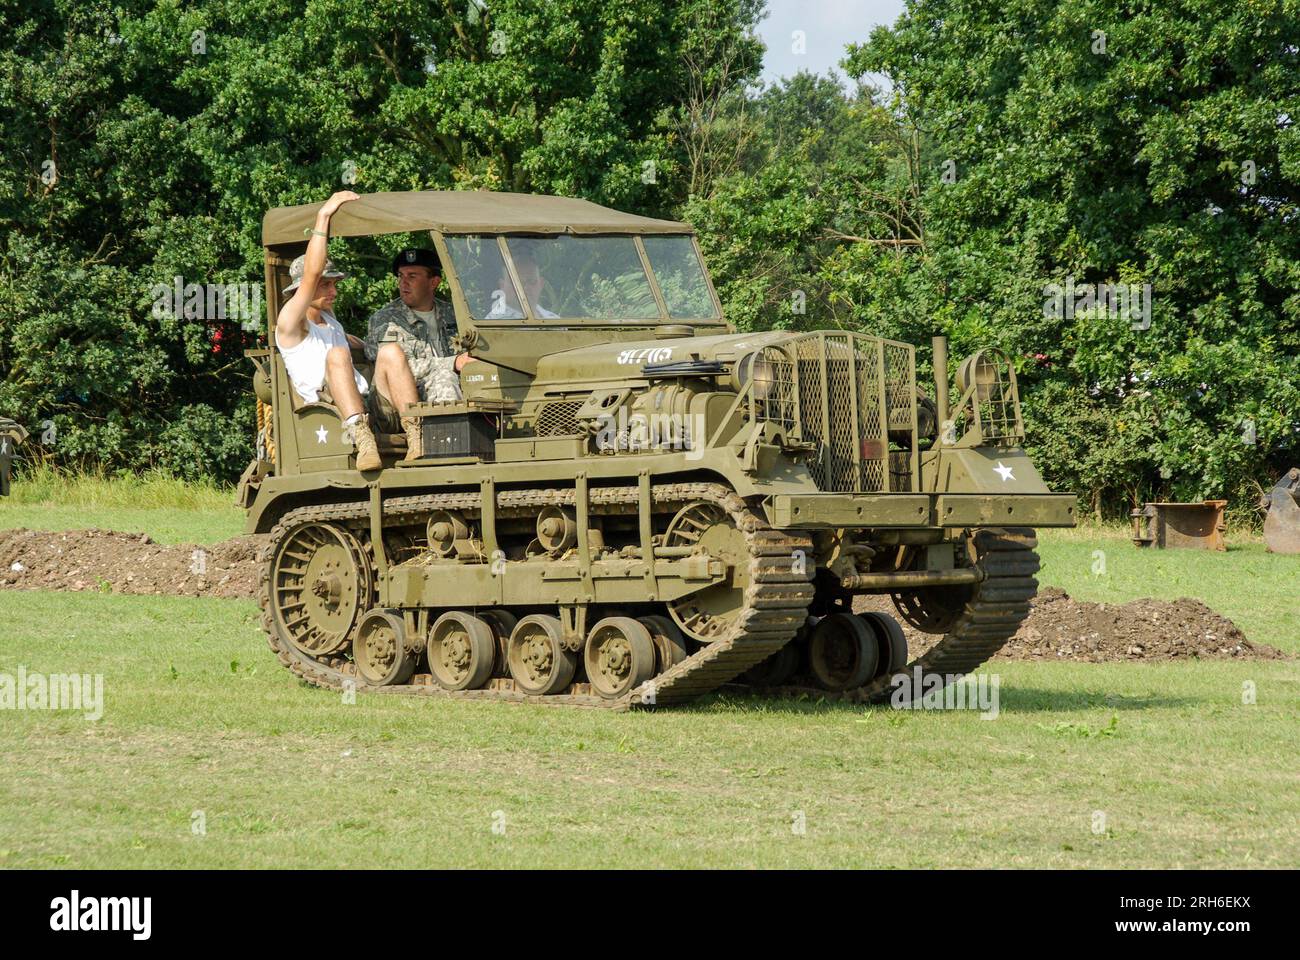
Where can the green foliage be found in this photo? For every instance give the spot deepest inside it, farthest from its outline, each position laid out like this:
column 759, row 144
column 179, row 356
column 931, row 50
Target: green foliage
column 772, row 228
column 1022, row 145
column 143, row 141
column 1119, row 142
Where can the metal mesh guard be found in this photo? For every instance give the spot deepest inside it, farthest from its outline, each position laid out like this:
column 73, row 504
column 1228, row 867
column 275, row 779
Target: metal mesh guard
column 835, row 390
column 994, row 409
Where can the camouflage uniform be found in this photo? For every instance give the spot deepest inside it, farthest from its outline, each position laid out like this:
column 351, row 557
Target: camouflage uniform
column 428, row 352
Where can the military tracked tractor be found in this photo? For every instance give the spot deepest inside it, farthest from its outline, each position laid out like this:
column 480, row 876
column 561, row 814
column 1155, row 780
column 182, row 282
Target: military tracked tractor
column 632, row 503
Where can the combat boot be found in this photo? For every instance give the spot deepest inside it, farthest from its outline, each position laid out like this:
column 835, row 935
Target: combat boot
column 414, row 438
column 367, row 451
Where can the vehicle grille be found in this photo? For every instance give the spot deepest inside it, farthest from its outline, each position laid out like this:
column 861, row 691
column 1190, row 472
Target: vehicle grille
column 556, row 419
column 842, row 392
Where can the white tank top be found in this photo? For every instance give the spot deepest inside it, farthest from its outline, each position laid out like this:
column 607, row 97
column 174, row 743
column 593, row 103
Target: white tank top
column 305, row 363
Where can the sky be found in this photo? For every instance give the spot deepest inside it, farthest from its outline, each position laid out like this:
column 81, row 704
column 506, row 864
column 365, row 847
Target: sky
column 828, row 26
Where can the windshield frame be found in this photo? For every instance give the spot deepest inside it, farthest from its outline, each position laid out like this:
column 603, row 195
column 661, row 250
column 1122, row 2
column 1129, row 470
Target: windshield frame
column 529, row 320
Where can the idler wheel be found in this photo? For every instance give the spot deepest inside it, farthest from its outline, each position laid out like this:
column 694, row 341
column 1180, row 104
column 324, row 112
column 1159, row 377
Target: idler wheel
column 320, row 584
column 843, row 652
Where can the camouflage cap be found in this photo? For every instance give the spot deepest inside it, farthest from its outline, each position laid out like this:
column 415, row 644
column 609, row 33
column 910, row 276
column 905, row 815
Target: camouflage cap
column 417, row 257
column 300, row 264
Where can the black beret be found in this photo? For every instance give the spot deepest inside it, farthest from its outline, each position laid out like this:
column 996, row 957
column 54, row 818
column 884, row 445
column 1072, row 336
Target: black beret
column 417, row 257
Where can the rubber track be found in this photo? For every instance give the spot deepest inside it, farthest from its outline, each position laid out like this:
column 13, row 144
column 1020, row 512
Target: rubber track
column 991, row 618
column 776, row 600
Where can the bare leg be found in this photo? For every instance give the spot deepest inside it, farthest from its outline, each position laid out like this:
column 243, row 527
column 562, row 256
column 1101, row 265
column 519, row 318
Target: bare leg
column 343, row 385
column 393, row 376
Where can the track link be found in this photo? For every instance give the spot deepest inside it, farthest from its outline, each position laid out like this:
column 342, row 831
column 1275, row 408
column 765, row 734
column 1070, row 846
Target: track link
column 776, row 600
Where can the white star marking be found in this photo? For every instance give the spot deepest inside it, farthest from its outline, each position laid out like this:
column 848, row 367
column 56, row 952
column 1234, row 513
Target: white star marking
column 322, row 435
column 1003, row 472
column 4, row 445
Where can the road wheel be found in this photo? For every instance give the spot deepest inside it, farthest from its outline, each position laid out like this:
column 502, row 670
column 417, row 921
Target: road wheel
column 842, row 652
column 379, row 649
column 461, row 651
column 539, row 661
column 892, row 640
column 503, row 623
column 620, row 656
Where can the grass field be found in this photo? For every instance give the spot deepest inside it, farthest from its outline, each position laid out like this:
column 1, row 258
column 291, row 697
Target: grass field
column 165, row 508
column 1095, row 765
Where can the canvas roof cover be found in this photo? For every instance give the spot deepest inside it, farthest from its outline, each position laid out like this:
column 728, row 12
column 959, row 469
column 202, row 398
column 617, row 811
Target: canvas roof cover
column 460, row 211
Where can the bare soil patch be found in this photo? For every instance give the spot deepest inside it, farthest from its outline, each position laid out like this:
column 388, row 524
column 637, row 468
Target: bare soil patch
column 128, row 563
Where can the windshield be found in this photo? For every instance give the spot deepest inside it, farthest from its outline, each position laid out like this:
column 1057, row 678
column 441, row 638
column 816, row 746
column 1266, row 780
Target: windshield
column 481, row 271
column 598, row 278
column 681, row 277
column 587, row 278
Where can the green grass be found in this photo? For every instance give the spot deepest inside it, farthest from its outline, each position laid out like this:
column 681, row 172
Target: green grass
column 199, row 718
column 169, row 510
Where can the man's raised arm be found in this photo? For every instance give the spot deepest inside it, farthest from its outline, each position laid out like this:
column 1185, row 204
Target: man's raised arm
column 291, row 321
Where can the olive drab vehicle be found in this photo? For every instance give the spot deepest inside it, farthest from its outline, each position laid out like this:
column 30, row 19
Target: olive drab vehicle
column 632, row 503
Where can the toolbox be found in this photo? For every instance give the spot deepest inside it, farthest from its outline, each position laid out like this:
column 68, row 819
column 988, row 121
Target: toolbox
column 460, row 429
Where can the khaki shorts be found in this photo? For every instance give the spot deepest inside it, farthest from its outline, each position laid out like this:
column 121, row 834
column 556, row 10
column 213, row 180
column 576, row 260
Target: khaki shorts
column 384, row 417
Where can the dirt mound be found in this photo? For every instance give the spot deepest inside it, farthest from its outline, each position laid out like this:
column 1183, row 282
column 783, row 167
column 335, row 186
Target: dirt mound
column 127, row 563
column 1061, row 628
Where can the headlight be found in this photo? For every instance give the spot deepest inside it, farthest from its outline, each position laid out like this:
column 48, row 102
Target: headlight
column 758, row 367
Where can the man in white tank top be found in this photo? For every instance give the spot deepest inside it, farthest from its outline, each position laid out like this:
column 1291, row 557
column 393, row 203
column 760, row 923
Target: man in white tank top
column 318, row 353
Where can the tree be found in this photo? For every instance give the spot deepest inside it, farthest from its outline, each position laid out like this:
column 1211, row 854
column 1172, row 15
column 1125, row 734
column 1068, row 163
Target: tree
column 1105, row 142
column 822, row 170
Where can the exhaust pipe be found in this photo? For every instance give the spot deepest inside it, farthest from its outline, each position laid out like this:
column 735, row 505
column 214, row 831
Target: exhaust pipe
column 940, row 345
